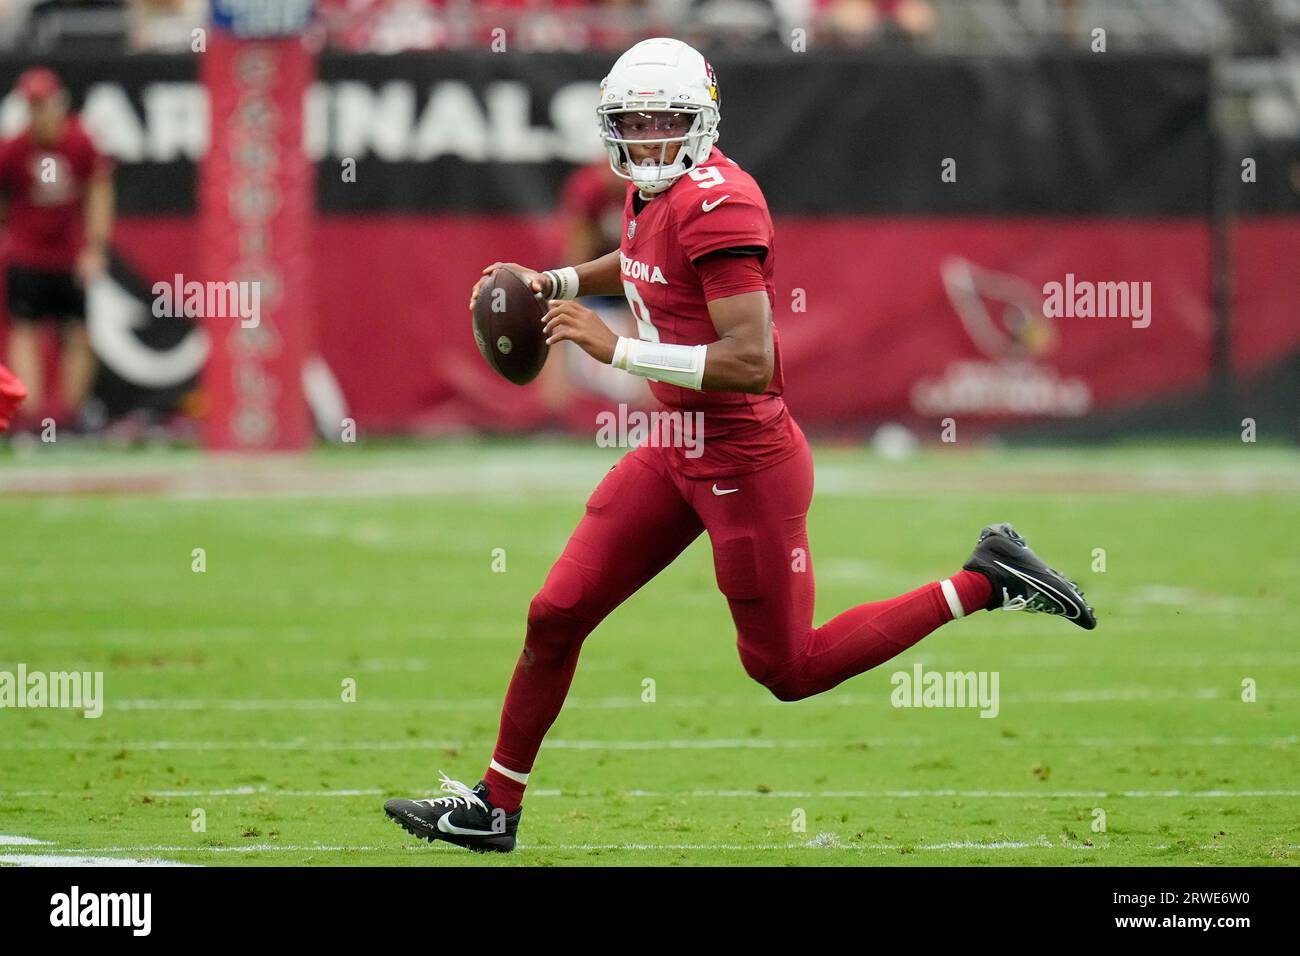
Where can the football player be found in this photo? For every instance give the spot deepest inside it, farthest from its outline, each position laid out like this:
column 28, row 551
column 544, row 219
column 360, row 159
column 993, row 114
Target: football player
column 696, row 265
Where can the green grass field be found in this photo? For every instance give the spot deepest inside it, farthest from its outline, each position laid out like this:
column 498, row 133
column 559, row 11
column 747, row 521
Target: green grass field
column 224, row 688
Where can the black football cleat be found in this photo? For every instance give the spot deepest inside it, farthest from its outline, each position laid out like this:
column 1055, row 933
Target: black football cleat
column 1022, row 581
column 464, row 818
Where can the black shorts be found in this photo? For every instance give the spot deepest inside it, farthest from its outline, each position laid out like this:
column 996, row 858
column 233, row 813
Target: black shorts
column 36, row 294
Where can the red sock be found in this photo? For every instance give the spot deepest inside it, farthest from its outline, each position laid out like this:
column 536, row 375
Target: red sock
column 973, row 589
column 503, row 792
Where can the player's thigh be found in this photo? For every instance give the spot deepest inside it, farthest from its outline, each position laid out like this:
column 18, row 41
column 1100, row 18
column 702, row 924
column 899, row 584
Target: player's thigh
column 762, row 560
column 636, row 523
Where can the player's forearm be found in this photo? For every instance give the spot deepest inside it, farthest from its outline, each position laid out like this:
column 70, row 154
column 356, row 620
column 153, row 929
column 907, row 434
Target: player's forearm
column 99, row 213
column 728, row 365
column 601, row 276
column 731, row 365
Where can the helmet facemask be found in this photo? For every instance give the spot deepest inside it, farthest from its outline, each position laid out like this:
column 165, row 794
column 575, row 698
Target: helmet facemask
column 657, row 124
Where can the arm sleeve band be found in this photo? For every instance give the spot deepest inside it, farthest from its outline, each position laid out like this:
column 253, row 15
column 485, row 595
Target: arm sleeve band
column 724, row 273
column 675, row 364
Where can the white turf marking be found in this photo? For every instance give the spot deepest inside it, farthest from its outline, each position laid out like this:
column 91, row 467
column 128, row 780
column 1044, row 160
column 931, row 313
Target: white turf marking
column 727, row 794
column 973, row 794
column 1042, row 843
column 220, row 792
column 895, row 847
column 251, row 791
column 744, row 743
column 54, row 859
column 248, row 848
column 629, row 702
column 301, row 743
column 407, row 848
column 63, row 858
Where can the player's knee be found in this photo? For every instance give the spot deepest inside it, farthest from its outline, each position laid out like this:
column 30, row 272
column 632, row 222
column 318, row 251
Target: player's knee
column 547, row 622
column 558, row 612
column 783, row 682
column 786, row 687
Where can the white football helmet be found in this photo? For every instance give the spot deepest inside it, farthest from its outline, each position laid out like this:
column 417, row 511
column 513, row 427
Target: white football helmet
column 658, row 86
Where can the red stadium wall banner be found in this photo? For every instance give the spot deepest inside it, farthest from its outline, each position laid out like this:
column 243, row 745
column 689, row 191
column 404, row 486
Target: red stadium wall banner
column 936, row 318
column 256, row 200
column 920, row 319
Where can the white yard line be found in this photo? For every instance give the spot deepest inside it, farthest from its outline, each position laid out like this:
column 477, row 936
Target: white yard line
column 725, row 743
column 971, row 794
column 569, row 470
column 633, row 701
column 145, row 854
column 410, row 848
column 61, row 857
column 56, row 859
column 718, row 794
column 827, row 842
column 399, row 745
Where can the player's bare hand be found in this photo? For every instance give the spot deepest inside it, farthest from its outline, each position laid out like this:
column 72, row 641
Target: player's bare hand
column 536, row 281
column 569, row 322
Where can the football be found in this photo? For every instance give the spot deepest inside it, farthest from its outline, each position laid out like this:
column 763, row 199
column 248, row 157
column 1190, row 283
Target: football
column 508, row 327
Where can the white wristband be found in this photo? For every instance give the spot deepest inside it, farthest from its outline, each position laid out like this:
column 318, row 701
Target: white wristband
column 564, row 282
column 675, row 364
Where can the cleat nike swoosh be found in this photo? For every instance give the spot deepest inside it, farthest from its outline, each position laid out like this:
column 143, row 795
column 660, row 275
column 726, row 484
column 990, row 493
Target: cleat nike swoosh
column 1069, row 608
column 723, row 491
column 446, row 827
column 710, row 206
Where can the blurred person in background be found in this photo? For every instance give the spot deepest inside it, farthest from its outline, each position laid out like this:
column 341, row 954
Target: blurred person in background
column 592, row 203
column 14, row 15
column 591, row 206
column 57, row 195
column 734, row 22
column 166, row 25
column 77, row 26
column 856, row 22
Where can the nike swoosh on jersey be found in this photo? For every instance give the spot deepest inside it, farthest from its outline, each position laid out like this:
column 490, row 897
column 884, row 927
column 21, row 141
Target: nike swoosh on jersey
column 446, row 827
column 709, row 207
column 723, row 491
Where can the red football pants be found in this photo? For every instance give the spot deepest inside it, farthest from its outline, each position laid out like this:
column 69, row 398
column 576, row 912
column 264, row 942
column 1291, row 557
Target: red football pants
column 641, row 516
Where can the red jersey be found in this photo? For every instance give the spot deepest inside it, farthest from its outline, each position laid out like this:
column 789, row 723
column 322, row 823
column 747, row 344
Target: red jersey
column 715, row 206
column 45, row 222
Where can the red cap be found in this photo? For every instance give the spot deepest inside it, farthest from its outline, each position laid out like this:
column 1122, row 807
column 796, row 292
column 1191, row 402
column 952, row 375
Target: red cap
column 39, row 83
